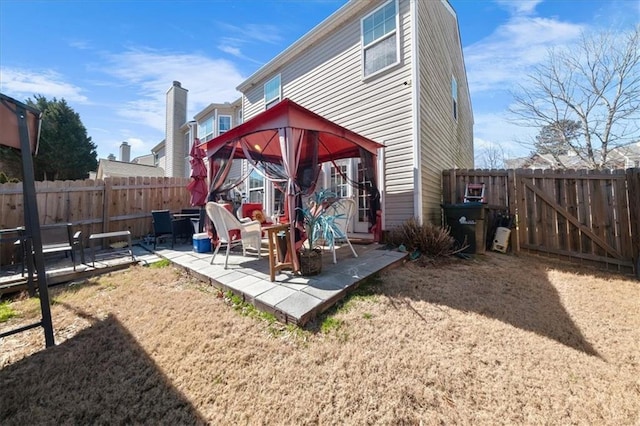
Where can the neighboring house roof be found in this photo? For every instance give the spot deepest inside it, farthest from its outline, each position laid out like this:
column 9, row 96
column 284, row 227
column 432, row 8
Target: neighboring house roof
column 213, row 106
column 110, row 168
column 628, row 155
column 546, row 161
column 622, row 157
column 148, row 159
column 159, row 146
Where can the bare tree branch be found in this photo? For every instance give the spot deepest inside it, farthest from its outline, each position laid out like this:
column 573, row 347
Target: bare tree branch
column 596, row 84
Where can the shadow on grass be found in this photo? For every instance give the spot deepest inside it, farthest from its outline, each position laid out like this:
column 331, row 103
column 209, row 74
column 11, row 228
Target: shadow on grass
column 520, row 295
column 100, row 376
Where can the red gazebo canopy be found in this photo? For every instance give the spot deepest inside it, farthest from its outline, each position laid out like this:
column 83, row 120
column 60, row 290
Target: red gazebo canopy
column 295, row 138
column 261, row 133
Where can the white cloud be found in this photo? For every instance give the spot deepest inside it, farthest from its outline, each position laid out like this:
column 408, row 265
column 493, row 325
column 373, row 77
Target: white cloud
column 231, row 50
column 248, row 34
column 235, row 51
column 253, row 33
column 495, row 129
column 522, row 7
column 80, row 44
column 148, row 74
column 138, row 146
column 26, row 83
column 129, row 89
column 504, row 58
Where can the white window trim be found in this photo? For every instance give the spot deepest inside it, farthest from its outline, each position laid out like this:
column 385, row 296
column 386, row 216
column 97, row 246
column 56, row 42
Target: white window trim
column 218, row 123
column 212, row 133
column 373, row 43
column 264, row 91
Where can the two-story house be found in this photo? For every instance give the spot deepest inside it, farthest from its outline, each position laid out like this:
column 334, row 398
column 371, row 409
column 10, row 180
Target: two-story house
column 390, row 70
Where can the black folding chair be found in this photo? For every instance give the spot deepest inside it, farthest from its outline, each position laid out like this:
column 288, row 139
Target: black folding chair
column 163, row 226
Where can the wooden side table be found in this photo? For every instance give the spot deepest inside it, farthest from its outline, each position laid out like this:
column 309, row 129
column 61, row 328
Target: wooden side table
column 275, row 254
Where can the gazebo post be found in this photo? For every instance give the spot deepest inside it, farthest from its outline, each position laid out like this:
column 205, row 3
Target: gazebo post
column 33, row 224
column 32, row 242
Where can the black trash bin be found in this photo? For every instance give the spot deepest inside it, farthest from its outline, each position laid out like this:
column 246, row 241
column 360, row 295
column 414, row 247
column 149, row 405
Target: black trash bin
column 468, row 225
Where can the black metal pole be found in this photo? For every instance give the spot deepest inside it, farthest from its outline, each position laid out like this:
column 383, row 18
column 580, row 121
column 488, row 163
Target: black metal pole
column 32, row 223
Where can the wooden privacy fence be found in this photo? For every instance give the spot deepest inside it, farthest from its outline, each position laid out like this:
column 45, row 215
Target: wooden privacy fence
column 588, row 216
column 95, row 206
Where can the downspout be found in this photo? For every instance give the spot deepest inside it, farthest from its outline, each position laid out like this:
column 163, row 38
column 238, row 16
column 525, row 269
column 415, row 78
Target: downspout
column 382, row 225
column 193, row 133
column 415, row 113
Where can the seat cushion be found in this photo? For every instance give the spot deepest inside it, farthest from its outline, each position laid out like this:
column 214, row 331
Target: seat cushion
column 258, row 215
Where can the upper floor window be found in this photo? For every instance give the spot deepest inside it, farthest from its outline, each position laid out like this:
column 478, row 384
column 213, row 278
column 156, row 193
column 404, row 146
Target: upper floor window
column 272, row 92
column 205, row 130
column 454, row 97
column 224, row 123
column 380, row 48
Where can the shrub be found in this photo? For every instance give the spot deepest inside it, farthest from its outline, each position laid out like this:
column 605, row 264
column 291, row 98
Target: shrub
column 428, row 239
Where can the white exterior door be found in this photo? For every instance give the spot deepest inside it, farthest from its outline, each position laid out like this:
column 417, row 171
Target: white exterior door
column 361, row 219
column 335, row 181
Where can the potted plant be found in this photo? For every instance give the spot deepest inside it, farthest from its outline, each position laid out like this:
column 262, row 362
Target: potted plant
column 319, row 224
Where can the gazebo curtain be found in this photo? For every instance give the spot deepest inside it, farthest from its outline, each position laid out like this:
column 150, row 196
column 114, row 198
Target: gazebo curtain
column 370, row 184
column 286, row 144
column 295, row 178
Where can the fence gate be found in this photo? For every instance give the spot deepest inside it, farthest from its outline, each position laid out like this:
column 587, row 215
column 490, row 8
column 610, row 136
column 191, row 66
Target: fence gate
column 577, row 214
column 585, row 216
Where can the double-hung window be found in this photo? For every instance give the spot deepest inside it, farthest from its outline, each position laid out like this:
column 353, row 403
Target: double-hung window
column 380, row 39
column 224, row 123
column 205, row 130
column 272, row 92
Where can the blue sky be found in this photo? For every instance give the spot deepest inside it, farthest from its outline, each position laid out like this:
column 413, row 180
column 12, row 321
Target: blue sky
column 113, row 61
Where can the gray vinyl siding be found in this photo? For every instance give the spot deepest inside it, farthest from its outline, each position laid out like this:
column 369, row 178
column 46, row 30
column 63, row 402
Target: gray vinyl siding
column 327, row 79
column 444, row 143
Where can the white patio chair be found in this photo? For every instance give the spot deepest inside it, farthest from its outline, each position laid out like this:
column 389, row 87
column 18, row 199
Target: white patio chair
column 226, row 223
column 345, row 208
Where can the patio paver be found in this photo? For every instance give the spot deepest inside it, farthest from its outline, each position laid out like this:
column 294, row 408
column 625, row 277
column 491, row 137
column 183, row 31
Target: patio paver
column 291, row 297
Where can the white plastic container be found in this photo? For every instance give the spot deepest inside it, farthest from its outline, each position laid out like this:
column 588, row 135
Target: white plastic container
column 501, row 239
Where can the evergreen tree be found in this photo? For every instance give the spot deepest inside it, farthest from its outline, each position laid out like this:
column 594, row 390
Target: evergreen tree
column 66, row 152
column 558, row 138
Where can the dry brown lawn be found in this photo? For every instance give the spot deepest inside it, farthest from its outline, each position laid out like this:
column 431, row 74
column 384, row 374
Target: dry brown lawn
column 499, row 340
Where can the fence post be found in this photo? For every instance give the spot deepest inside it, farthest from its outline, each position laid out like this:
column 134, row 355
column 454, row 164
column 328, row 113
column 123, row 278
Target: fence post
column 108, row 185
column 452, row 186
column 513, row 209
column 633, row 186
